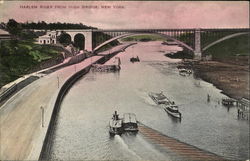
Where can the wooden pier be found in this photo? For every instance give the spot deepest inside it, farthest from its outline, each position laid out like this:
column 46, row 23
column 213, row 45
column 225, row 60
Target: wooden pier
column 180, row 149
column 243, row 108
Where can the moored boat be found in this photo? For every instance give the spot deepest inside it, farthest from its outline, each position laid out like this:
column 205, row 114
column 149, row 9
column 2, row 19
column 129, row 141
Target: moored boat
column 134, row 59
column 105, row 68
column 115, row 125
column 228, row 101
column 129, row 123
column 158, row 98
column 185, row 72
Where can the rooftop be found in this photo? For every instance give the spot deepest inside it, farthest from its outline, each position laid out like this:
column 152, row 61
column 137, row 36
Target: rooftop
column 3, row 32
column 44, row 37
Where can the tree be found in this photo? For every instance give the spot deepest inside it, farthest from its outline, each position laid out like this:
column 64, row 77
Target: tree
column 13, row 27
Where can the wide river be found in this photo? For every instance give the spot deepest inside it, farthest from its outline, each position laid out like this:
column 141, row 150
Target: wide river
column 82, row 126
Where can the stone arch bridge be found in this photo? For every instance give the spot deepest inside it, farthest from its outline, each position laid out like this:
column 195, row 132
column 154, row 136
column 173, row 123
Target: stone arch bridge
column 195, row 40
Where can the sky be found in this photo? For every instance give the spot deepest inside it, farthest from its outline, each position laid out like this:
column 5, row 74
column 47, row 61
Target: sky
column 132, row 14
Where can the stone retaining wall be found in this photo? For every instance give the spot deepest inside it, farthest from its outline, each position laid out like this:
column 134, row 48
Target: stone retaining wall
column 46, row 149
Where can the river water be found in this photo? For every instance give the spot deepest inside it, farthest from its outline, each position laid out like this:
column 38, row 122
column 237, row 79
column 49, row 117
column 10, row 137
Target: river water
column 82, row 126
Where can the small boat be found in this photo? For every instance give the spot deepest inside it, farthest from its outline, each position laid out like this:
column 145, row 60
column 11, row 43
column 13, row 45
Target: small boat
column 169, row 43
column 185, row 72
column 158, row 98
column 172, row 109
column 115, row 125
column 228, row 101
column 134, row 59
column 130, row 123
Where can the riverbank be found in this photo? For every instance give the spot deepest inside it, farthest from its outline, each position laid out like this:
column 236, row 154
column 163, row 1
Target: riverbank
column 231, row 78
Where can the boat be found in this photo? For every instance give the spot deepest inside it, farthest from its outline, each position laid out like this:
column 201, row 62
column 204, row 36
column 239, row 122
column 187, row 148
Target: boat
column 105, row 68
column 169, row 106
column 158, row 98
column 185, row 72
column 134, row 59
column 129, row 123
column 111, row 66
column 228, row 101
column 169, row 43
column 172, row 109
column 115, row 125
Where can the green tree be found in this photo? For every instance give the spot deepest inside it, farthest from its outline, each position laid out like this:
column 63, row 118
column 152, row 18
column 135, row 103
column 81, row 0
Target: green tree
column 14, row 27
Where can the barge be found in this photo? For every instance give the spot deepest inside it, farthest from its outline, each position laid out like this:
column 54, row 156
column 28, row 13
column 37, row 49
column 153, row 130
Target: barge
column 158, row 98
column 105, row 68
column 111, row 66
column 118, row 126
column 129, row 123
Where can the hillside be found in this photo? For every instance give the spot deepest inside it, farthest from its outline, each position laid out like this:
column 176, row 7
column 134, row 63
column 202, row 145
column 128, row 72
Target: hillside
column 232, row 50
column 18, row 57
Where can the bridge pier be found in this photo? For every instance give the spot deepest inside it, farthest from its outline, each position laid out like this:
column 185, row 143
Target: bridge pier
column 88, row 40
column 197, row 55
column 197, row 49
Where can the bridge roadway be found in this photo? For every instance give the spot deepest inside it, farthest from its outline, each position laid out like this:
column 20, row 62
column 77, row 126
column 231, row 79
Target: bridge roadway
column 177, row 149
column 21, row 131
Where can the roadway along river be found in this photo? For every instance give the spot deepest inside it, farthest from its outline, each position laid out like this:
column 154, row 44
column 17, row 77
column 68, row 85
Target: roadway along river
column 82, row 127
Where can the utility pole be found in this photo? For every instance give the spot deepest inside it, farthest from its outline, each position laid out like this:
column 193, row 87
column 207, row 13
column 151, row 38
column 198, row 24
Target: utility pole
column 42, row 115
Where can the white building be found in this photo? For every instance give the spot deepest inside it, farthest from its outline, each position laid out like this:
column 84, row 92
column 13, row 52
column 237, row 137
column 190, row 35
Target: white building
column 4, row 35
column 49, row 38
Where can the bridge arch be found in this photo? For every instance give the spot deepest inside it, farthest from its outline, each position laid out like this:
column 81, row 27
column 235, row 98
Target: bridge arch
column 65, row 38
column 143, row 33
column 87, row 34
column 79, row 41
column 223, row 39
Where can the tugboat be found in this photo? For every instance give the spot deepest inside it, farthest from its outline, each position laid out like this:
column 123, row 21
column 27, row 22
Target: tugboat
column 158, row 98
column 135, row 59
column 115, row 125
column 172, row 109
column 130, row 123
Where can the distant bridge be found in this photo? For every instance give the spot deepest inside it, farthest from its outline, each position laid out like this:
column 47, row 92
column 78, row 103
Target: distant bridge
column 195, row 40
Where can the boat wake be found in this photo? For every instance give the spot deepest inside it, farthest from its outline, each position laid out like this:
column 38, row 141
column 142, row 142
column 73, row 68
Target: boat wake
column 145, row 98
column 119, row 140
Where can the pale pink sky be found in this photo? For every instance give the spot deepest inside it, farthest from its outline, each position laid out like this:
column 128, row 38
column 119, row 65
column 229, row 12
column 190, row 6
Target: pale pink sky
column 136, row 14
